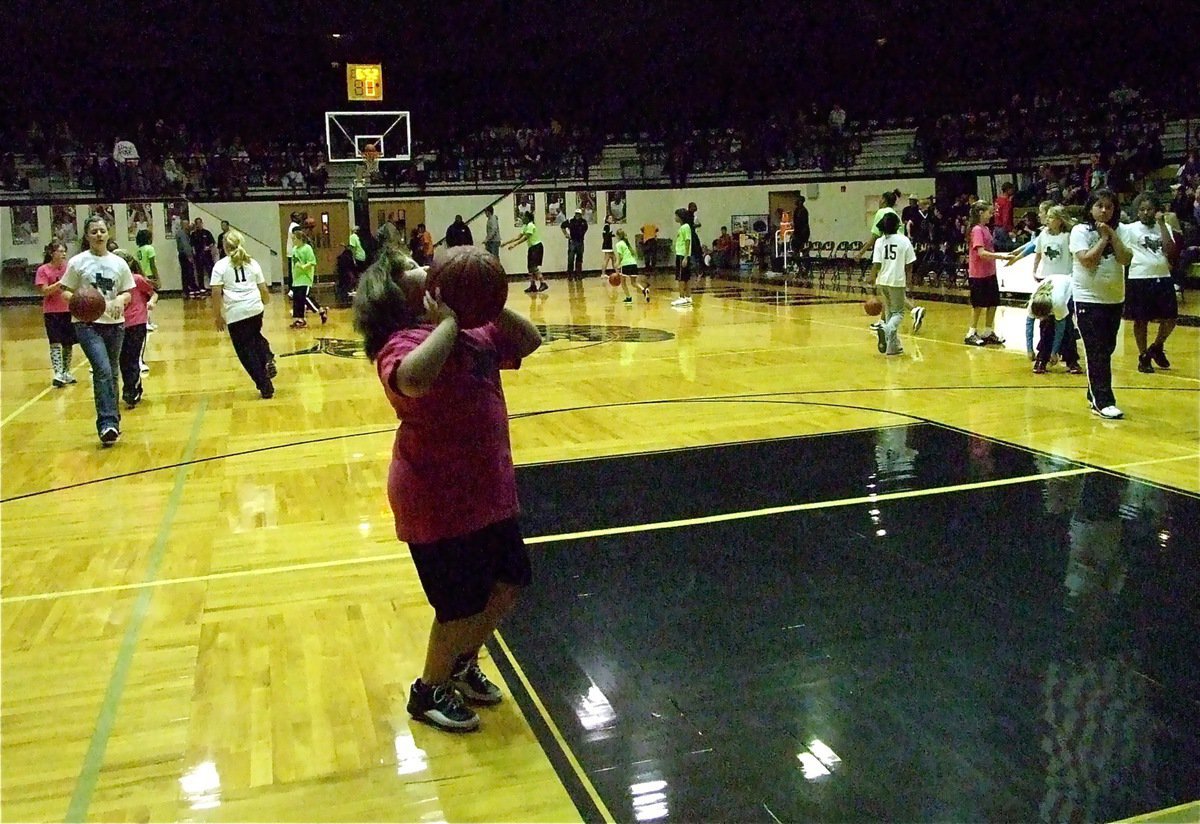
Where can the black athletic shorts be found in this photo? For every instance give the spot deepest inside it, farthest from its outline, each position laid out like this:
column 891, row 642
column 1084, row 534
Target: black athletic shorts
column 683, row 268
column 59, row 328
column 629, row 269
column 985, row 292
column 458, row 574
column 1150, row 299
column 533, row 258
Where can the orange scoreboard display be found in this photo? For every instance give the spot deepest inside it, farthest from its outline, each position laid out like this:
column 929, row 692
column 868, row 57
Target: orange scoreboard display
column 364, row 81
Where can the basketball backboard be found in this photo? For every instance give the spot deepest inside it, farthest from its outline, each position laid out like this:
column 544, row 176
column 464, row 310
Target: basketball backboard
column 348, row 133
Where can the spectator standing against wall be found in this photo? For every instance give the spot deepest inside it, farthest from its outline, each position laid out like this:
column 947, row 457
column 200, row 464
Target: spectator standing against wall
column 458, row 233
column 187, row 260
column 650, row 245
column 293, row 225
column 574, row 231
column 203, row 244
column 1004, row 208
column 491, row 238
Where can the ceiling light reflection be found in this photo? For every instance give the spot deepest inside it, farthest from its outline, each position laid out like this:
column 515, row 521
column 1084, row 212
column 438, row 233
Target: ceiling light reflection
column 593, row 710
column 201, row 786
column 812, row 767
column 409, row 757
column 649, row 800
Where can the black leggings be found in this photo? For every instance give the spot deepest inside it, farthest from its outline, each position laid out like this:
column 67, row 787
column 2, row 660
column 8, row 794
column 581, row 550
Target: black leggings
column 300, row 299
column 1099, row 324
column 252, row 348
column 132, row 346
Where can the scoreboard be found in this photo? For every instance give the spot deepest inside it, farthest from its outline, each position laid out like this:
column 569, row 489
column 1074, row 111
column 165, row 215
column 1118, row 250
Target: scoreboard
column 364, row 81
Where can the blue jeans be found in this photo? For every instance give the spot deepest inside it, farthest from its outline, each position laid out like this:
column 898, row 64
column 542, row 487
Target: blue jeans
column 574, row 257
column 101, row 344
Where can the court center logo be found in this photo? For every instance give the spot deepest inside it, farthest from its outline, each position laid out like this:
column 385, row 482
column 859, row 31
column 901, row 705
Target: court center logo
column 551, row 333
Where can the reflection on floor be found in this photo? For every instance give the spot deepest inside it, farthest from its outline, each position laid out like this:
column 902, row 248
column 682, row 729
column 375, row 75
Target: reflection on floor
column 1005, row 651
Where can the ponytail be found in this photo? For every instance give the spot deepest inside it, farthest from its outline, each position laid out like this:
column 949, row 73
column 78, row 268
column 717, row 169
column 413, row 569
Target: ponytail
column 238, row 255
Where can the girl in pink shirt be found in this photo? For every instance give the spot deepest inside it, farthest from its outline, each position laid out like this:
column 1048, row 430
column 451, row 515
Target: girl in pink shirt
column 56, row 314
column 981, row 269
column 137, row 316
column 451, row 484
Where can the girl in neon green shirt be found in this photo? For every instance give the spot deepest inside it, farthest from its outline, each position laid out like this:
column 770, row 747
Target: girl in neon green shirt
column 304, row 269
column 629, row 268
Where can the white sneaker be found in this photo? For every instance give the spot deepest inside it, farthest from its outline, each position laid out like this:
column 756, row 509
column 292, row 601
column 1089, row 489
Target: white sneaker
column 143, row 368
column 151, row 327
column 918, row 316
column 681, row 302
column 1109, row 412
column 69, row 378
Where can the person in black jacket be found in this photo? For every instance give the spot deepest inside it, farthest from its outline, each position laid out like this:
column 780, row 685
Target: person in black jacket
column 459, row 233
column 575, row 229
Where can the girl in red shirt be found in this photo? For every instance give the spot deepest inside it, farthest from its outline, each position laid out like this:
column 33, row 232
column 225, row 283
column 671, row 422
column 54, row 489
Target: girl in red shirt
column 56, row 314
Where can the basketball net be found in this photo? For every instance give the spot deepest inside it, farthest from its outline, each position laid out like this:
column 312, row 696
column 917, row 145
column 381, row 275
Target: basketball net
column 370, row 164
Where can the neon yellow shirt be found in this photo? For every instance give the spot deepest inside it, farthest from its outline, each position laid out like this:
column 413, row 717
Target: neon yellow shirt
column 531, row 231
column 683, row 241
column 625, row 255
column 304, row 265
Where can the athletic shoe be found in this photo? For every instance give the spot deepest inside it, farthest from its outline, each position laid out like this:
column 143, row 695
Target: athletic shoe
column 441, row 706
column 299, row 323
column 1039, row 368
column 324, row 313
column 1109, row 412
column 151, row 327
column 993, row 339
column 1160, row 357
column 646, row 293
column 876, row 325
column 470, row 681
column 134, row 400
column 973, row 340
column 1074, row 369
column 882, row 342
column 109, row 436
column 69, row 378
column 267, row 391
column 532, row 288
column 58, row 382
column 271, row 370
column 143, row 368
column 681, row 302
column 289, row 293
column 628, row 300
column 918, row 316
column 543, row 286
column 897, row 352
column 1144, row 364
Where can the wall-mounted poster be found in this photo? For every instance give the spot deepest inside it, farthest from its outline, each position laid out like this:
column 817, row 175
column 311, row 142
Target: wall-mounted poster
column 556, row 208
column 615, row 206
column 586, row 203
column 109, row 214
column 523, row 202
column 24, row 225
column 66, row 224
column 748, row 223
column 137, row 217
column 174, row 212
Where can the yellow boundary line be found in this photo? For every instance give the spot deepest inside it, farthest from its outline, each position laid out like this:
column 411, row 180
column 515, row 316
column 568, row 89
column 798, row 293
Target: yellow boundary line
column 572, row 536
column 554, row 731
column 27, row 404
column 1155, row 816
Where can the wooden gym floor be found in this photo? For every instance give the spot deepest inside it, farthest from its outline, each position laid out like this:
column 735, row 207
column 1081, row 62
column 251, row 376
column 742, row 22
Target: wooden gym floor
column 213, row 620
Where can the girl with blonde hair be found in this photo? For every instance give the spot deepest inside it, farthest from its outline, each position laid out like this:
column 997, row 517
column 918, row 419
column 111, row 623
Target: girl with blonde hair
column 239, row 296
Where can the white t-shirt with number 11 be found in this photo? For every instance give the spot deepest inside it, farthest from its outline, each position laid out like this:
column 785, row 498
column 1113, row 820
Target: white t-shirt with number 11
column 239, row 289
column 892, row 253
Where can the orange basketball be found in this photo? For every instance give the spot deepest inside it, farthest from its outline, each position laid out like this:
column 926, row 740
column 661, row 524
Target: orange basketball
column 614, row 279
column 87, row 303
column 873, row 306
column 472, row 283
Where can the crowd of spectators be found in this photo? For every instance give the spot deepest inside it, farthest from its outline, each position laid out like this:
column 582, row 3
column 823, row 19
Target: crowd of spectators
column 808, row 141
column 1123, row 129
column 164, row 159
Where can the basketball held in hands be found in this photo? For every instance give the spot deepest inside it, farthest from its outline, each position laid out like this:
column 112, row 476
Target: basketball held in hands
column 471, row 282
column 87, row 303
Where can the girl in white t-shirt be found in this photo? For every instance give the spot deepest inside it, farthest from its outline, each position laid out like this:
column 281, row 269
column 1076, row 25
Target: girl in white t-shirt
column 1052, row 266
column 892, row 258
column 101, row 339
column 1150, row 291
column 1099, row 258
column 239, row 296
